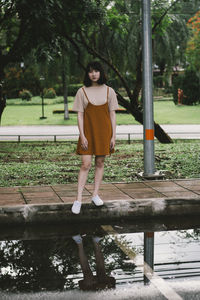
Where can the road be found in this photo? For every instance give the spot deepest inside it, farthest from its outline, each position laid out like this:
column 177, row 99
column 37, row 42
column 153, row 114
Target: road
column 71, row 132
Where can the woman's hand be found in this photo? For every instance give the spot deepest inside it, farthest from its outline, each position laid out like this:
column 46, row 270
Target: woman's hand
column 84, row 143
column 112, row 143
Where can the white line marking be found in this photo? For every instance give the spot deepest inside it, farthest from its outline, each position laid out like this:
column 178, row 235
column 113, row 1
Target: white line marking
column 157, row 281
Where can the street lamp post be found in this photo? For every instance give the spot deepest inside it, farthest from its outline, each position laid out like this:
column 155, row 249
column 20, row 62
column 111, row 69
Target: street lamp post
column 42, row 96
column 149, row 160
column 147, row 91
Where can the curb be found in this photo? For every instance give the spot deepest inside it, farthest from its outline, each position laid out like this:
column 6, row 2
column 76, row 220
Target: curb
column 115, row 210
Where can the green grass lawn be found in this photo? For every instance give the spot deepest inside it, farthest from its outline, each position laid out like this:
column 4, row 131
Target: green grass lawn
column 45, row 163
column 29, row 113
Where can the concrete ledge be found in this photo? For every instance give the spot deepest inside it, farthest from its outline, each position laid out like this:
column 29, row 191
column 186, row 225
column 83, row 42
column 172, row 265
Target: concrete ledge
column 112, row 210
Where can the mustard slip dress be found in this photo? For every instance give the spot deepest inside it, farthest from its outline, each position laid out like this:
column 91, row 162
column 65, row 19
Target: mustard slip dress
column 97, row 129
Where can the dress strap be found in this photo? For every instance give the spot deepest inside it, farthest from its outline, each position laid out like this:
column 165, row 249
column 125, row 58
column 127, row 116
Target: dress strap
column 107, row 93
column 85, row 94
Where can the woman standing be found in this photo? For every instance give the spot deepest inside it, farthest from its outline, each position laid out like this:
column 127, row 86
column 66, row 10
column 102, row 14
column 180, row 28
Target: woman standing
column 95, row 103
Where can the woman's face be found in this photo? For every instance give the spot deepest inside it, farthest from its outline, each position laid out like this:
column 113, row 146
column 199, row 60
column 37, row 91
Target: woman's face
column 94, row 75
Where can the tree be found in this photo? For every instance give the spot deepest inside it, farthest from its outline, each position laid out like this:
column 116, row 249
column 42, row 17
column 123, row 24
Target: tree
column 23, row 26
column 193, row 46
column 100, row 42
column 27, row 25
column 107, row 30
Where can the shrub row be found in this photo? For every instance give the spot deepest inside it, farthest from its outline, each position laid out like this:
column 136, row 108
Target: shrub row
column 50, row 93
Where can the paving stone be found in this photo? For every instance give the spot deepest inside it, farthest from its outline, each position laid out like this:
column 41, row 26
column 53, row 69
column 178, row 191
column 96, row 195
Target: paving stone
column 187, row 183
column 163, row 189
column 85, row 199
column 107, row 186
column 11, row 203
column 138, row 190
column 114, row 197
column 134, row 185
column 66, row 193
column 11, row 199
column 147, row 195
column 65, row 187
column 36, row 189
column 193, row 187
column 68, row 199
column 143, row 193
column 181, row 194
column 8, row 190
column 44, row 200
column 40, row 195
column 197, row 192
column 161, row 184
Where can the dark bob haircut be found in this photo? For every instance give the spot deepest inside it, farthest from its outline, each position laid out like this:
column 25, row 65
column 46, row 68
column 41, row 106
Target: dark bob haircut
column 94, row 65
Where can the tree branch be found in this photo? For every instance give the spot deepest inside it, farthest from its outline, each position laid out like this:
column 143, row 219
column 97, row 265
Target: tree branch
column 102, row 58
column 77, row 50
column 162, row 17
column 8, row 13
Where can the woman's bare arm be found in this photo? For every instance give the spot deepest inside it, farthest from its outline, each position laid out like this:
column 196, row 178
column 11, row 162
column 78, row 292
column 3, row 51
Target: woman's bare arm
column 84, row 142
column 113, row 123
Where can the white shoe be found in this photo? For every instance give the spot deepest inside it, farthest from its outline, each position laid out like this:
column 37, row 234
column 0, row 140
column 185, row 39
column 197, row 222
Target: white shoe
column 97, row 200
column 77, row 238
column 76, row 207
column 96, row 239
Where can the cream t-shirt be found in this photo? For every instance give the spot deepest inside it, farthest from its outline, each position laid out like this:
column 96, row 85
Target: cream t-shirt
column 97, row 95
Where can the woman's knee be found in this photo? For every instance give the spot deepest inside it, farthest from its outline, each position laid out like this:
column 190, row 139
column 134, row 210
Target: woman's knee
column 86, row 165
column 99, row 162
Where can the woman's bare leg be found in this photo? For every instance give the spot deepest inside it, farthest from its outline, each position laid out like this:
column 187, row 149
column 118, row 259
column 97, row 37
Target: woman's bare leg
column 83, row 174
column 100, row 264
column 99, row 169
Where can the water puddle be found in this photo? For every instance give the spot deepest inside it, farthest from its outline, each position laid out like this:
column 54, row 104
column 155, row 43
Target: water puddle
column 110, row 261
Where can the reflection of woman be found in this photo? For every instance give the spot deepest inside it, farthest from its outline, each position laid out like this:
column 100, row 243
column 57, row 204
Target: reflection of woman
column 95, row 104
column 91, row 282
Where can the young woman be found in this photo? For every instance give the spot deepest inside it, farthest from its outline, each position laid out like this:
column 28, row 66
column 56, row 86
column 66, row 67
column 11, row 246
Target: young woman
column 95, row 103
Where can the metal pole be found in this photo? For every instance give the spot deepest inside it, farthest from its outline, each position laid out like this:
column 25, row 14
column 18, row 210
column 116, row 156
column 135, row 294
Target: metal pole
column 148, row 127
column 42, row 96
column 148, row 252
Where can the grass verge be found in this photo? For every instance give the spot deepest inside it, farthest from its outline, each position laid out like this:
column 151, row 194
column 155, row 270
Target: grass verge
column 46, row 163
column 29, row 113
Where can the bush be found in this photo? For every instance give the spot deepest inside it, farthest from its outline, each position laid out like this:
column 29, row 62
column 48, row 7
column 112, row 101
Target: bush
column 58, row 87
column 158, row 81
column 25, row 95
column 73, row 88
column 189, row 83
column 49, row 93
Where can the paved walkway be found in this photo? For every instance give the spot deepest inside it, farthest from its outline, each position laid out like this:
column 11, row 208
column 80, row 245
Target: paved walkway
column 175, row 131
column 138, row 199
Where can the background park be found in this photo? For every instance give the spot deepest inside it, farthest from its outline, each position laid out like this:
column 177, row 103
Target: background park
column 45, row 47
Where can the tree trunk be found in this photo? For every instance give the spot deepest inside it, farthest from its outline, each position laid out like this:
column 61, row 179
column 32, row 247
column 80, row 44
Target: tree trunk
column 137, row 113
column 2, row 101
column 65, row 90
column 131, row 106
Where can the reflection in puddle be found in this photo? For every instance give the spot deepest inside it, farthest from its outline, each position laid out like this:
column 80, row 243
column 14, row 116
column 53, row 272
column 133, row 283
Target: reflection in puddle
column 90, row 281
column 111, row 263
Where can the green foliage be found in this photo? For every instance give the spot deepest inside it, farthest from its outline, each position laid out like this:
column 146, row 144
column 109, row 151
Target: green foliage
column 189, row 83
column 25, row 95
column 73, row 88
column 49, row 93
column 38, row 163
column 17, row 79
column 193, row 45
column 158, row 81
column 19, row 112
